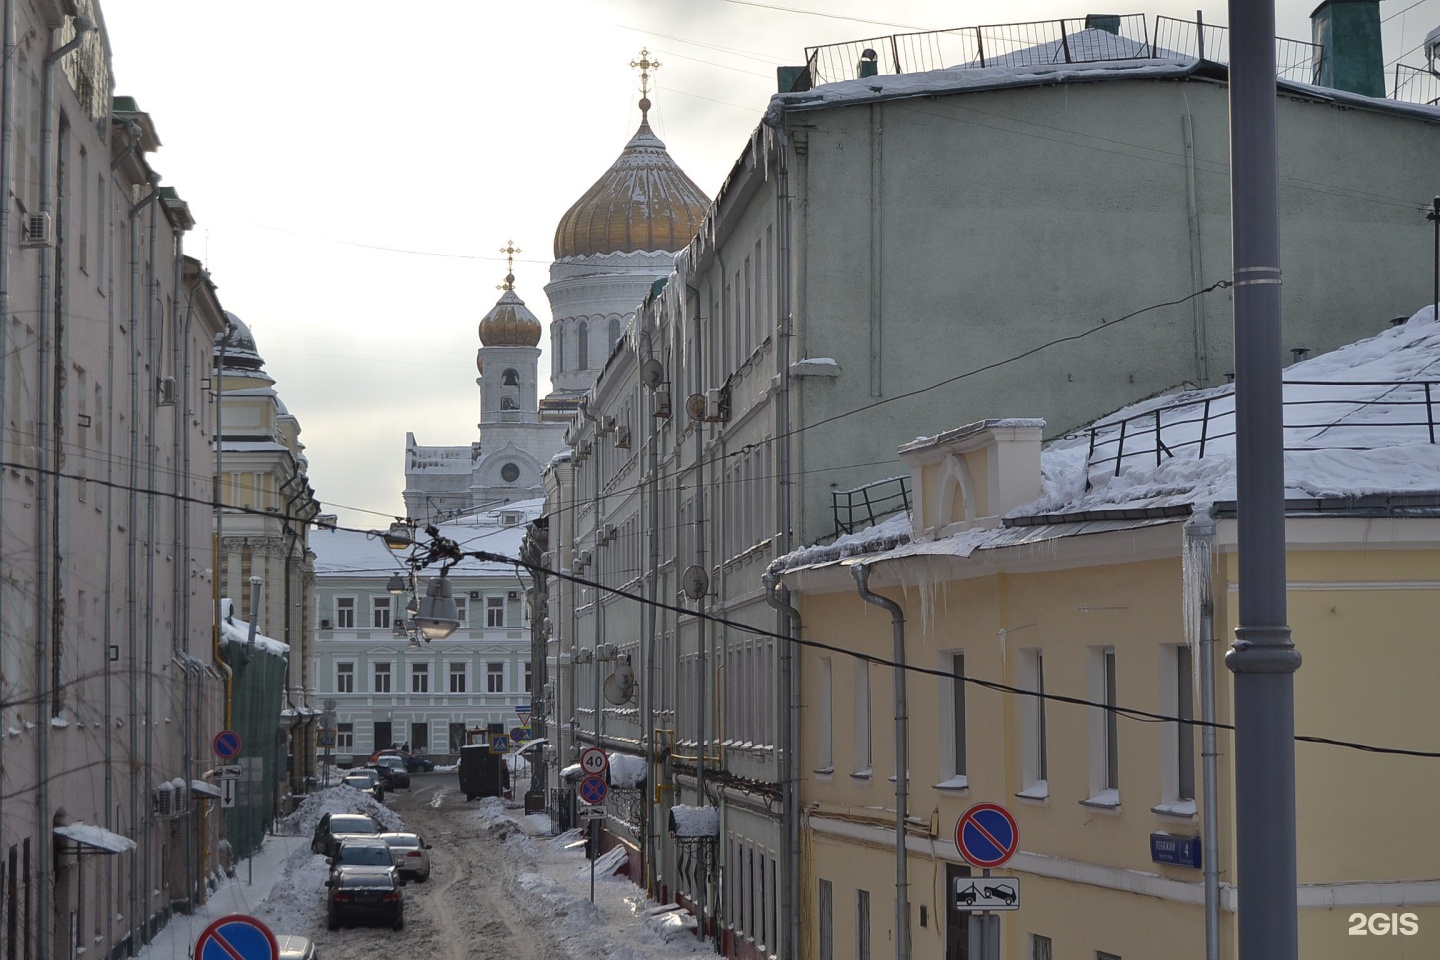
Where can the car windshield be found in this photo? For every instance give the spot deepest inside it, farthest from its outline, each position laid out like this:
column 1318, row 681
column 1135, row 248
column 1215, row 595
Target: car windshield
column 353, row 825
column 402, row 840
column 364, row 855
column 390, row 762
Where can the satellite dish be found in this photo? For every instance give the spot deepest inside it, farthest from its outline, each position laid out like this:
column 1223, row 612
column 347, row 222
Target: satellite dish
column 652, row 373
column 620, row 685
column 694, row 582
column 695, row 406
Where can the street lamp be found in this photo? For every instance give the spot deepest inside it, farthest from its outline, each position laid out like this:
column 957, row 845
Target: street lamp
column 437, row 616
column 396, row 584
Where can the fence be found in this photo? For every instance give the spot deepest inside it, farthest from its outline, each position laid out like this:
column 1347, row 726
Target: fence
column 1094, row 39
column 862, row 507
column 1185, row 430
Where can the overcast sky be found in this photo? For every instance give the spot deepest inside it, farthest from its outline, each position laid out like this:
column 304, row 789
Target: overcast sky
column 354, row 169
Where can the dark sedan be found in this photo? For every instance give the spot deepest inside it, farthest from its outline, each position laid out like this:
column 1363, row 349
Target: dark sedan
column 365, row 895
column 392, row 770
column 359, row 852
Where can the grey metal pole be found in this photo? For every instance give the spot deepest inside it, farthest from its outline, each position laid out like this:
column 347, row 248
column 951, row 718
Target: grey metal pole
column 1434, row 217
column 861, row 572
column 1262, row 657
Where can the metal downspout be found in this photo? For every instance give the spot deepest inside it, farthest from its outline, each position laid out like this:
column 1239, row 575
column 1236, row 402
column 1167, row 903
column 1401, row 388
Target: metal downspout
column 218, row 437
column 595, row 553
column 777, row 596
column 7, row 138
column 45, row 589
column 789, row 680
column 152, row 361
column 132, row 131
column 180, row 530
column 573, row 724
column 861, row 572
column 702, row 631
column 648, row 690
column 1199, row 549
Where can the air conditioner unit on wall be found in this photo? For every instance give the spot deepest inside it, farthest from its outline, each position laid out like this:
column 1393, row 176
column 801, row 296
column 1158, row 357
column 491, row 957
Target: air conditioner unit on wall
column 165, row 391
column 607, row 424
column 324, row 624
column 513, row 595
column 717, row 405
column 662, row 403
column 168, row 801
column 37, row 230
column 622, row 437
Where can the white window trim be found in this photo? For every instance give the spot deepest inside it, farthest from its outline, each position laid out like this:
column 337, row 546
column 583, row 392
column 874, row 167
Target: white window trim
column 864, row 759
column 825, row 742
column 375, row 670
column 417, row 669
column 1102, row 793
column 336, row 612
column 352, row 674
column 1032, row 710
column 947, row 724
column 1170, row 802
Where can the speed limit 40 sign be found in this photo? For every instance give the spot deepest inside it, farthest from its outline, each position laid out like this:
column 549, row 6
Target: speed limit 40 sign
column 594, row 762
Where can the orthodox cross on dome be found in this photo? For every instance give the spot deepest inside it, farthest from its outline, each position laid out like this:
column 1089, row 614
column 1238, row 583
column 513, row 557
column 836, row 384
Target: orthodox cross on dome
column 645, row 65
column 509, row 250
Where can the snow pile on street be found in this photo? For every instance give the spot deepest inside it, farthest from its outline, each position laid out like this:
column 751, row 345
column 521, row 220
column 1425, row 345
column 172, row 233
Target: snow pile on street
column 296, row 903
column 339, row 799
column 499, row 825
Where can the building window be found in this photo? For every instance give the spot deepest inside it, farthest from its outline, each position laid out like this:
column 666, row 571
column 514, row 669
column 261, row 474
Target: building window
column 510, row 473
column 614, row 332
column 495, row 678
column 494, row 611
column 863, row 761
column 956, row 726
column 582, row 334
column 825, row 753
column 1035, row 761
column 380, row 613
column 528, row 677
column 344, row 613
column 1039, row 947
column 1184, row 732
column 419, row 678
column 382, row 678
column 1103, row 727
column 344, row 736
column 827, row 921
column 457, row 677
column 344, row 678
column 862, row 924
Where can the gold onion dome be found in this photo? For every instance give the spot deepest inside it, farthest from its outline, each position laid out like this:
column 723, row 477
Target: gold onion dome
column 509, row 323
column 643, row 202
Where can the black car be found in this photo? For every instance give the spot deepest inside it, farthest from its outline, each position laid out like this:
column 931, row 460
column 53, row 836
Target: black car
column 365, row 894
column 366, row 781
column 356, row 851
column 333, row 826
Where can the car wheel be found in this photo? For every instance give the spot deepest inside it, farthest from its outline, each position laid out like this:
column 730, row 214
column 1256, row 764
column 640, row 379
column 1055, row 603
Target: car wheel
column 423, row 877
column 332, row 921
column 400, row 922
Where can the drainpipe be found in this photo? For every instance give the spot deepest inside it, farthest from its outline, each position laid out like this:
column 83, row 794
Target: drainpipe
column 7, row 138
column 649, row 689
column 132, row 133
column 595, row 553
column 44, row 601
column 152, row 359
column 861, row 573
column 789, row 661
column 702, row 631
column 779, row 597
column 1199, row 548
column 217, row 436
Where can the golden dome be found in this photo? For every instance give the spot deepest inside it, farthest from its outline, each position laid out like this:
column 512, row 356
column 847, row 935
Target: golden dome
column 509, row 323
column 643, row 202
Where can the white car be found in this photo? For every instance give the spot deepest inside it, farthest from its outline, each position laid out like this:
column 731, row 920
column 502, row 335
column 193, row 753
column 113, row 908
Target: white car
column 408, row 850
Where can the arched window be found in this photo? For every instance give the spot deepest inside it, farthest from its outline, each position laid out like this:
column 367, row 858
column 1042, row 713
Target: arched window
column 584, row 338
column 614, row 331
column 510, row 378
column 557, row 352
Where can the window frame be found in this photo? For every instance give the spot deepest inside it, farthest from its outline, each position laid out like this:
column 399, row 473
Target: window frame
column 340, row 608
column 492, row 674
column 382, row 668
column 463, row 675
column 341, row 671
column 494, row 606
column 420, row 677
column 382, row 608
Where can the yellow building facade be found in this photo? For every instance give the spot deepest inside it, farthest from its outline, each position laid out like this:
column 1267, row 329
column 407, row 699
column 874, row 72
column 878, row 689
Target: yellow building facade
column 1101, row 612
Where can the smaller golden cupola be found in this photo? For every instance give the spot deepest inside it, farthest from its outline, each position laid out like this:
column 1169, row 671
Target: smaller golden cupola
column 509, row 323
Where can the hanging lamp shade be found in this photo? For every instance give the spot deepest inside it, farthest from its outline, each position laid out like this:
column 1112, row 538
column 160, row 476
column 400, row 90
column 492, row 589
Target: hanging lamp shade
column 438, row 616
column 398, row 536
column 396, row 584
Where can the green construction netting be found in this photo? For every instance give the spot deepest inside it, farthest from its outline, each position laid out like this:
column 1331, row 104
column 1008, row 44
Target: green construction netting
column 257, row 696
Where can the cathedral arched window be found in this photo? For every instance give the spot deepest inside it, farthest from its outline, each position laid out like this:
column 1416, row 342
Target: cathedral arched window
column 510, row 378
column 557, row 351
column 583, row 335
column 614, row 331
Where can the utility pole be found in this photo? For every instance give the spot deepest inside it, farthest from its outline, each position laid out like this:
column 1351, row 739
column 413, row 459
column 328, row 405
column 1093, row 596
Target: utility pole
column 1262, row 657
column 1434, row 217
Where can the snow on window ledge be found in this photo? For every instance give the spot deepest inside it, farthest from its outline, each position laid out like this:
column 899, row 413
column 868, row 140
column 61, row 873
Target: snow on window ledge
column 1175, row 808
column 1039, row 790
column 958, row 782
column 865, row 774
column 1105, row 800
column 824, row 773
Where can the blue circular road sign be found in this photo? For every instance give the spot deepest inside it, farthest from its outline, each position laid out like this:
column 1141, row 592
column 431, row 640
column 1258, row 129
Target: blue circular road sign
column 593, row 790
column 227, row 744
column 237, row 937
column 986, row 835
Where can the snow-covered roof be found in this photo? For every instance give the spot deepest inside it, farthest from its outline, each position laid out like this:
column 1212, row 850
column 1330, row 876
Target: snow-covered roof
column 1356, row 425
column 235, row 630
column 355, row 554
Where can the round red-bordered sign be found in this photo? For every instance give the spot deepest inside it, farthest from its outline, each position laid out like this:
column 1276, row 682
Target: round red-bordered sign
column 986, row 835
column 237, row 937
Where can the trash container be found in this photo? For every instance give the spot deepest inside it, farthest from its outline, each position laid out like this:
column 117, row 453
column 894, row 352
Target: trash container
column 534, row 801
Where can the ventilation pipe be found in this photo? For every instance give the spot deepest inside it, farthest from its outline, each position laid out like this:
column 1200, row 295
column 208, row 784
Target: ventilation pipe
column 861, row 572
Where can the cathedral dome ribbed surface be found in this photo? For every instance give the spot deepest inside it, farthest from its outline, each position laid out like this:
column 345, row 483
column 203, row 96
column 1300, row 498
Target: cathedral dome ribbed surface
column 643, row 202
column 509, row 323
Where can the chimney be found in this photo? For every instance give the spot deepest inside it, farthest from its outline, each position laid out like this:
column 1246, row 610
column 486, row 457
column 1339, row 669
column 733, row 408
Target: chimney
column 1348, row 34
column 1109, row 22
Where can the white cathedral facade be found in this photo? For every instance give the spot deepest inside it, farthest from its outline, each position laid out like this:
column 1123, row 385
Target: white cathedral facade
column 610, row 246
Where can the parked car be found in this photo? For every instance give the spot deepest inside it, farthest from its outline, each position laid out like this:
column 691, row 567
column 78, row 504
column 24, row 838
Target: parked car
column 368, row 781
column 392, row 769
column 414, row 763
column 359, row 852
column 295, row 948
column 410, row 853
column 373, row 894
column 333, row 826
